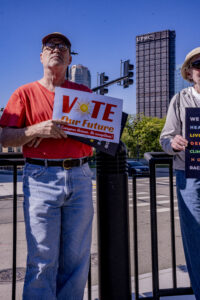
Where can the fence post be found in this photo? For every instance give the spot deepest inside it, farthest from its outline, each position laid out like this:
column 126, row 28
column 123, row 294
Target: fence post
column 154, row 233
column 113, row 226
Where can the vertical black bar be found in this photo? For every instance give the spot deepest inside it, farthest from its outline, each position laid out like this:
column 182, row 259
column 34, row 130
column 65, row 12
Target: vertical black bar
column 90, row 282
column 154, row 233
column 14, row 231
column 135, row 238
column 173, row 244
column 113, row 227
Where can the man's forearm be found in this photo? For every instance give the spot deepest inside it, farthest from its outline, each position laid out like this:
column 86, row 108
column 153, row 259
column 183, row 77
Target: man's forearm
column 13, row 137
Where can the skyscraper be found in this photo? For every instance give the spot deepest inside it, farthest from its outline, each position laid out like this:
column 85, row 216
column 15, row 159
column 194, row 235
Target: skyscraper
column 180, row 83
column 80, row 74
column 155, row 65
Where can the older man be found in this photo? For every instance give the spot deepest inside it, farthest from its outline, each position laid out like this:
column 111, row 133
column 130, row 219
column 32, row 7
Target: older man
column 188, row 189
column 57, row 182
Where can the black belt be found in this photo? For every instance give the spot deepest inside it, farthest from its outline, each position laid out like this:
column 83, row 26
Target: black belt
column 67, row 163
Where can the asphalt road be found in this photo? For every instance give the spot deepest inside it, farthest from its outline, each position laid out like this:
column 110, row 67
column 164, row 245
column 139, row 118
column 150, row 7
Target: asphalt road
column 143, row 209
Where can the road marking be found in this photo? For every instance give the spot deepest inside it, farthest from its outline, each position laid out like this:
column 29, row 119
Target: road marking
column 147, row 204
column 140, row 193
column 143, row 204
column 159, row 210
column 165, row 201
column 147, row 197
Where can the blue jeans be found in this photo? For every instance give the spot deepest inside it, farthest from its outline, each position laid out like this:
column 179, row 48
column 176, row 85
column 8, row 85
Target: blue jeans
column 188, row 193
column 58, row 214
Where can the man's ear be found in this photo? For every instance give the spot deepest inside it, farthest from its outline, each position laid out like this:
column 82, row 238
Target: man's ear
column 41, row 58
column 70, row 59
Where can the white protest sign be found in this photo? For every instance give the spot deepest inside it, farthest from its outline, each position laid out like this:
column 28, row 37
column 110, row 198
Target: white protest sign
column 88, row 115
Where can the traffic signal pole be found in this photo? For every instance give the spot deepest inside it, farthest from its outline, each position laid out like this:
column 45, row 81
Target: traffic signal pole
column 110, row 83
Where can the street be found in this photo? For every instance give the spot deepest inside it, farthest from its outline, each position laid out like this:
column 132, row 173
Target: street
column 143, row 208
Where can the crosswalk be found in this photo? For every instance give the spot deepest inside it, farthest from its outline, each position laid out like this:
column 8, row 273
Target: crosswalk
column 162, row 197
column 143, row 196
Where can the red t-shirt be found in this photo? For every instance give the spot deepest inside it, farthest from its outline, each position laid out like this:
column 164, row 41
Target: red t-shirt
column 33, row 103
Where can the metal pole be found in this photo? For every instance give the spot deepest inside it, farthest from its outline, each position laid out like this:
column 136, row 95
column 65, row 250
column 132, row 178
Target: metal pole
column 113, row 226
column 110, row 83
column 14, row 231
column 135, row 238
column 173, row 243
column 154, row 234
column 90, row 282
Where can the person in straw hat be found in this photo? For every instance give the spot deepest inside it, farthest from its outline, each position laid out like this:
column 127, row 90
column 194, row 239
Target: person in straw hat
column 173, row 142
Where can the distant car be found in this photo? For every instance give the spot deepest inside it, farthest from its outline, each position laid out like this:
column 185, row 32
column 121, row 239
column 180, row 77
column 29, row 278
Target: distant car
column 136, row 167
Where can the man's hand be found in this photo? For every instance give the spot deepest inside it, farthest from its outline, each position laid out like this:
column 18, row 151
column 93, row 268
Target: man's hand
column 49, row 129
column 179, row 143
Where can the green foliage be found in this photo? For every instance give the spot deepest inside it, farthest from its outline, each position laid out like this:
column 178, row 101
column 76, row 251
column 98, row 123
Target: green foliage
column 141, row 134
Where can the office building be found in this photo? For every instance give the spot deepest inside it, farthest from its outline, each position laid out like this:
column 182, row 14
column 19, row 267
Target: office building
column 180, row 83
column 80, row 74
column 155, row 65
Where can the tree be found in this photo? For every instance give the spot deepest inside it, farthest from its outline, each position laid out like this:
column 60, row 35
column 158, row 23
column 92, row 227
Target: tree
column 141, row 134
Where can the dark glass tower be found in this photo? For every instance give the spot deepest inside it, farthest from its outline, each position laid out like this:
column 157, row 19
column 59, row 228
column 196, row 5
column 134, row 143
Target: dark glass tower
column 155, row 66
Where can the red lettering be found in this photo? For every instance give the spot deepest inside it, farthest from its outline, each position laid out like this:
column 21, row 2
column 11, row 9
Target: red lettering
column 96, row 108
column 108, row 112
column 66, row 107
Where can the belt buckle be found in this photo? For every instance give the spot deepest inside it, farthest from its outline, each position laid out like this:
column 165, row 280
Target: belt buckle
column 66, row 168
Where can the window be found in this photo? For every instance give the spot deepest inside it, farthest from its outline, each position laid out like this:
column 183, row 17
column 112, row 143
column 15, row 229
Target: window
column 152, row 51
column 141, row 64
column 158, row 44
column 152, row 68
column 163, row 43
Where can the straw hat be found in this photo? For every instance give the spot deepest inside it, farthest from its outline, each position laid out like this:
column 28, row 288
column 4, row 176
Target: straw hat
column 186, row 63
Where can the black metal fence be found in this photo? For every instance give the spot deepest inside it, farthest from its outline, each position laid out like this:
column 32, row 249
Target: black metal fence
column 154, row 159
column 15, row 160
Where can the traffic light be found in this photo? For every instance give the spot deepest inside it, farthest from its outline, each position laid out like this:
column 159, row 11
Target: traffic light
column 103, row 79
column 127, row 68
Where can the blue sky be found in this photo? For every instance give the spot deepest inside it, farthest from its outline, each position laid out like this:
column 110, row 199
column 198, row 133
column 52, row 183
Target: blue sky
column 102, row 32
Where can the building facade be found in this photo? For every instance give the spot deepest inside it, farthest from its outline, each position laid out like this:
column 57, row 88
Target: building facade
column 180, row 83
column 155, row 66
column 80, row 74
column 8, row 149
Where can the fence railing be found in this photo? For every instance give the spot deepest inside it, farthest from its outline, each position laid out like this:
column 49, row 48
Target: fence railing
column 154, row 159
column 15, row 160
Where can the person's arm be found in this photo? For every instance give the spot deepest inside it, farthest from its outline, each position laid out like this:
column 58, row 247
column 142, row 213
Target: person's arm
column 171, row 139
column 13, row 137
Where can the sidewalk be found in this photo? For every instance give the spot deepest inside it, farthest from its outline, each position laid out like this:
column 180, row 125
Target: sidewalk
column 145, row 285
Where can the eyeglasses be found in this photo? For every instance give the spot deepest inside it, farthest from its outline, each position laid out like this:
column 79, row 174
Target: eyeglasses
column 52, row 46
column 195, row 64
